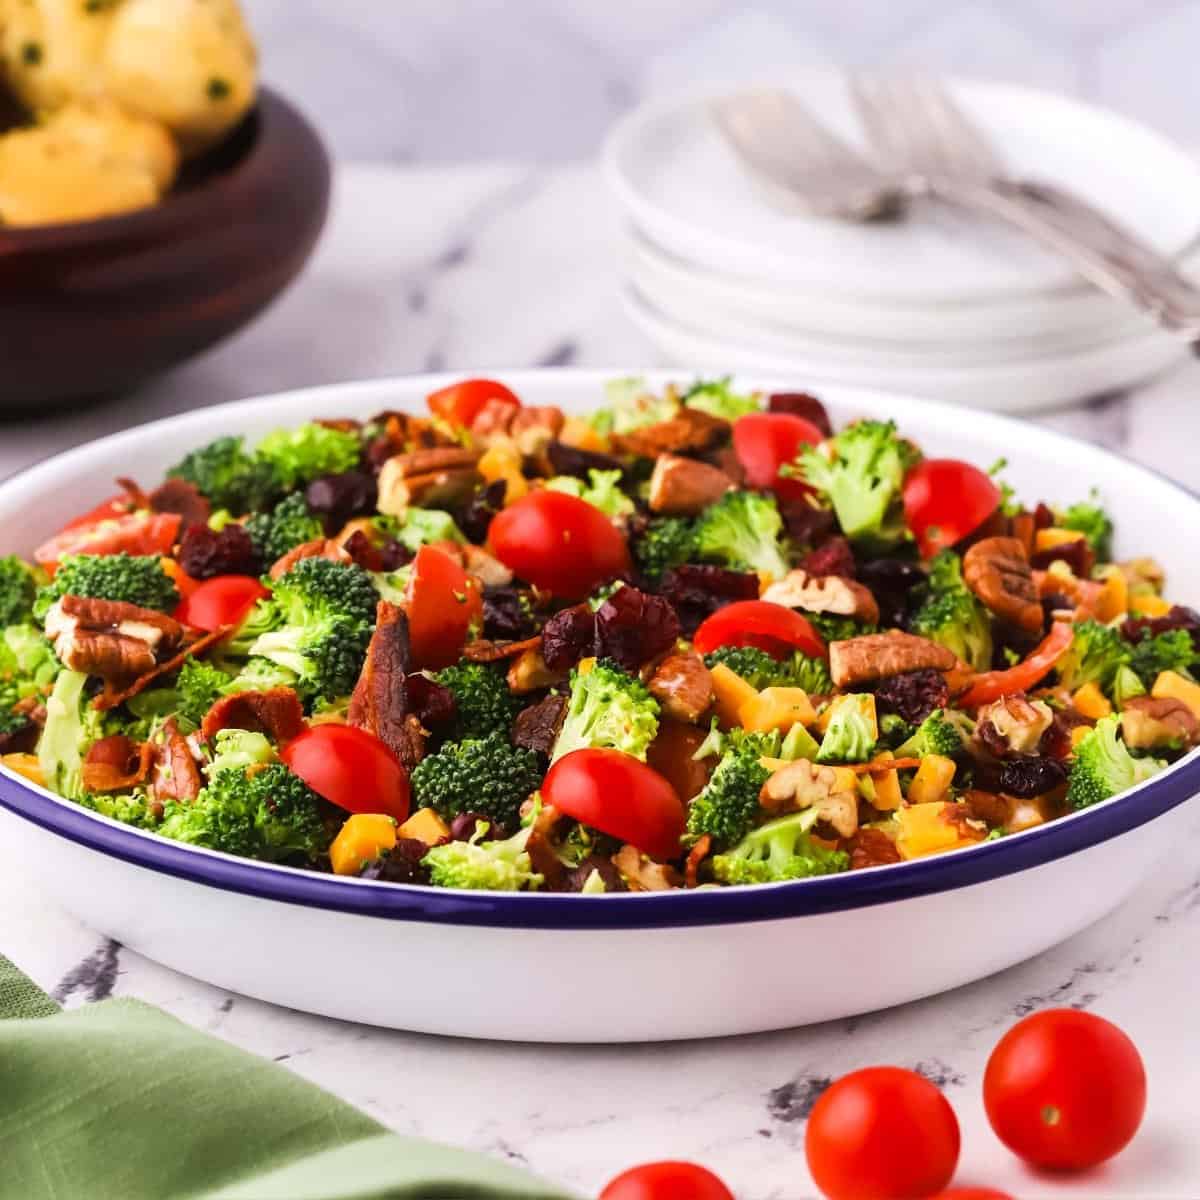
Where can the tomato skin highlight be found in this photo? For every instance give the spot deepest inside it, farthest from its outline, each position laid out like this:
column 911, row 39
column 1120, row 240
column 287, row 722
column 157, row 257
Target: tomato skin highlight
column 991, row 685
column 882, row 1133
column 669, row 1180
column 759, row 623
column 764, row 442
column 223, row 600
column 460, row 403
column 944, row 500
column 350, row 768
column 559, row 543
column 443, row 602
column 1065, row 1089
column 619, row 795
column 140, row 533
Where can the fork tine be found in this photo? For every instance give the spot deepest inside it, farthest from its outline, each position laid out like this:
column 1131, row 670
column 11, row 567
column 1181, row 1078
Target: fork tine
column 968, row 139
column 883, row 119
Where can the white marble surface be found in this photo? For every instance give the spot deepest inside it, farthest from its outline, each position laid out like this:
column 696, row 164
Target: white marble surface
column 459, row 268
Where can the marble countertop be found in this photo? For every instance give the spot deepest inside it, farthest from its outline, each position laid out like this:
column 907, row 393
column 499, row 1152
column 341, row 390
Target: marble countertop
column 456, row 268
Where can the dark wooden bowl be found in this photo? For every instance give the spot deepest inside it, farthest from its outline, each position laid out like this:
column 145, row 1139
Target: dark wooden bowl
column 91, row 308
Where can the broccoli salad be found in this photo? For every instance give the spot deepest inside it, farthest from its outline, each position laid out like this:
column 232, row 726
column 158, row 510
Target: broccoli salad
column 698, row 638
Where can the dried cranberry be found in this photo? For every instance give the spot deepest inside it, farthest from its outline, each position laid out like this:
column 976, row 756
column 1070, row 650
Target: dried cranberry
column 570, row 460
column 20, row 740
column 568, row 636
column 1031, row 775
column 378, row 452
column 430, row 702
column 508, row 614
column 393, row 555
column 1077, row 555
column 475, row 517
column 576, row 879
column 204, row 554
column 991, row 739
column 1177, row 617
column 696, row 592
column 366, row 554
column 891, row 581
column 996, row 524
column 833, row 558
column 337, row 498
column 1056, row 741
column 466, row 825
column 633, row 627
column 1056, row 602
column 536, row 727
column 1043, row 516
column 401, row 864
column 806, row 524
column 179, row 496
column 913, row 695
column 801, row 404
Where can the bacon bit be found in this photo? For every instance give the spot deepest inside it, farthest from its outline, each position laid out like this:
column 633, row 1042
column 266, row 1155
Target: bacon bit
column 116, row 763
column 1083, row 593
column 871, row 848
column 380, row 703
column 1024, row 529
column 959, row 818
column 698, row 853
column 541, row 851
column 690, row 431
column 338, row 424
column 275, row 712
column 878, row 765
column 134, row 494
column 176, row 776
column 483, row 651
column 644, row 874
column 180, row 496
column 111, row 696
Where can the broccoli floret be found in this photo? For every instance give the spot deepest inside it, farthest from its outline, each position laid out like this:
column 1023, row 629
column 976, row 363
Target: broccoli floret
column 760, row 669
column 135, row 579
column 130, row 808
column 631, row 405
column 850, row 735
column 835, row 628
column 262, row 618
column 608, row 709
column 951, row 616
column 935, row 735
column 261, row 675
column 424, row 525
column 1170, row 651
column 298, row 456
column 231, row 478
column 717, row 398
column 1126, row 685
column 603, row 490
column 488, row 866
column 237, row 749
column 321, row 585
column 667, row 542
column 1090, row 519
column 780, row 849
column 861, row 477
column 482, row 700
column 1104, row 767
column 743, row 530
column 65, row 735
column 728, row 806
column 894, row 730
column 199, row 687
column 486, row 775
column 27, row 662
column 288, row 525
column 1095, row 655
column 266, row 813
column 17, row 590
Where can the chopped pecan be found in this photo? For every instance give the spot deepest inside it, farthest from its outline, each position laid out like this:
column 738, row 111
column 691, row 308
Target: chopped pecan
column 275, row 712
column 803, row 784
column 116, row 763
column 319, row 548
column 535, row 426
column 109, row 638
column 528, row 672
column 180, row 496
column 683, row 686
column 1082, row 594
column 1018, row 724
column 484, row 651
column 642, row 874
column 871, row 848
column 487, row 568
column 690, row 431
column 441, row 477
column 536, row 727
column 176, row 776
column 696, row 856
column 1148, row 723
column 114, row 694
column 997, row 570
column 1143, row 573
column 683, row 487
column 493, row 419
column 878, row 655
column 824, row 594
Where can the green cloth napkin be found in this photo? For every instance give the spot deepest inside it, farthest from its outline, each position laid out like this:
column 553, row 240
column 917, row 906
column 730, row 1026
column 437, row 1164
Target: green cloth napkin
column 119, row 1101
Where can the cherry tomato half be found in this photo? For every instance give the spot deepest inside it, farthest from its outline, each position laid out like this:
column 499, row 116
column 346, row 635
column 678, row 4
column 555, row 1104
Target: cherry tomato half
column 218, row 602
column 766, row 441
column 443, row 602
column 559, row 543
column 141, row 532
column 944, row 500
column 667, row 1181
column 350, row 768
column 882, row 1133
column 991, row 685
column 770, row 627
column 115, row 506
column 460, row 402
column 1065, row 1089
column 619, row 795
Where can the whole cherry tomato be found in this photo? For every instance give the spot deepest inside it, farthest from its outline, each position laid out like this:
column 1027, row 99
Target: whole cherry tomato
column 882, row 1133
column 991, row 685
column 667, row 1181
column 141, row 532
column 618, row 795
column 559, row 543
column 443, row 602
column 944, row 500
column 1065, row 1089
column 460, row 403
column 766, row 441
column 770, row 627
column 350, row 768
column 223, row 600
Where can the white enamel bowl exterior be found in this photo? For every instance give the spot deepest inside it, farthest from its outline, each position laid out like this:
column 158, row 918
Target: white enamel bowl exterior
column 609, row 969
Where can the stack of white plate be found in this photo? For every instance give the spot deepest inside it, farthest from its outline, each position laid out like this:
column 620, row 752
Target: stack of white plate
column 938, row 303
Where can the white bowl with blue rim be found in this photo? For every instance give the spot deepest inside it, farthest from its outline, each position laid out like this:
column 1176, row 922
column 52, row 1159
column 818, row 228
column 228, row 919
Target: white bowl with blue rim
column 569, row 968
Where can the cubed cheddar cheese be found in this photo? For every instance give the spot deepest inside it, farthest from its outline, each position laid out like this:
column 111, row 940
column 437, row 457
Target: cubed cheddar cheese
column 502, row 460
column 1051, row 538
column 425, row 826
column 924, row 829
column 26, row 765
column 932, row 780
column 1170, row 685
column 583, row 436
column 361, row 840
column 1149, row 605
column 776, row 708
column 886, row 783
column 1113, row 598
column 864, row 699
column 1078, row 734
column 731, row 692
column 1091, row 702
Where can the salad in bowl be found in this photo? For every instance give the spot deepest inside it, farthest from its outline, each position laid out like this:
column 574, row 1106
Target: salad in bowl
column 696, row 638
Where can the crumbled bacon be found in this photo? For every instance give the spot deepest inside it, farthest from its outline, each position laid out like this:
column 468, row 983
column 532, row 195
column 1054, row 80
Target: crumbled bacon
column 871, row 848
column 116, row 763
column 180, row 496
column 176, row 776
column 696, row 856
column 114, row 695
column 536, row 727
column 275, row 712
column 481, row 650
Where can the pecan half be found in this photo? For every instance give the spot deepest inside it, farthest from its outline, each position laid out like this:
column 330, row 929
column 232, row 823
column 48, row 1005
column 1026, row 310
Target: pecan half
column 109, row 638
column 878, row 655
column 683, row 686
column 380, row 703
column 482, row 650
column 824, row 594
column 682, row 487
column 176, row 776
column 643, row 874
column 275, row 712
column 690, row 431
column 487, row 568
column 536, row 727
column 527, row 672
column 1147, row 723
column 803, row 784
column 441, row 477
column 997, row 570
column 1013, row 724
